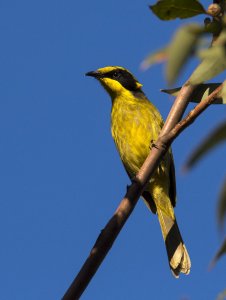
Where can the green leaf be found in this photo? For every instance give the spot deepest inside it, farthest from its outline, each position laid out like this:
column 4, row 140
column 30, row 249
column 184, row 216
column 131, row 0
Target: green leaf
column 213, row 139
column 172, row 9
column 213, row 61
column 221, row 210
column 219, row 253
column 181, row 48
column 155, row 57
column 200, row 93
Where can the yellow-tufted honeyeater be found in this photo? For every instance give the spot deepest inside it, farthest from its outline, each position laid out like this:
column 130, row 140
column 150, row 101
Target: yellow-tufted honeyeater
column 135, row 123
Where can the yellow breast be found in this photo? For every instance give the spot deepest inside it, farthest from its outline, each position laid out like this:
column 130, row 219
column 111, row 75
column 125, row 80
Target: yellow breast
column 135, row 123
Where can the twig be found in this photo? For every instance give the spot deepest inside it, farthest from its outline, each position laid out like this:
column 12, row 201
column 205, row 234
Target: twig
column 193, row 114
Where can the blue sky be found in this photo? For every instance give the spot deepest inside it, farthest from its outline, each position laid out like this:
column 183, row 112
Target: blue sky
column 61, row 177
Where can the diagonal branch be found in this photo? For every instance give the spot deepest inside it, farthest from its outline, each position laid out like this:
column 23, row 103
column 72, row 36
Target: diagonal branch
column 108, row 235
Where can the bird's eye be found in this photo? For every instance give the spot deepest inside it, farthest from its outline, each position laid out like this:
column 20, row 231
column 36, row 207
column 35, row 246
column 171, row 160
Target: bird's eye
column 115, row 75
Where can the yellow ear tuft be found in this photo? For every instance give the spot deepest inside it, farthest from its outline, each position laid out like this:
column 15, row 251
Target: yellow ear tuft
column 139, row 85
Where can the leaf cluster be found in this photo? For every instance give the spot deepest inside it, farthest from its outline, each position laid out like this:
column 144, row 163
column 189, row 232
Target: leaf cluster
column 188, row 39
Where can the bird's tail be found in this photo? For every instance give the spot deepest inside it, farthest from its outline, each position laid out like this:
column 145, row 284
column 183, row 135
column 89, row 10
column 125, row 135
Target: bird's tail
column 179, row 260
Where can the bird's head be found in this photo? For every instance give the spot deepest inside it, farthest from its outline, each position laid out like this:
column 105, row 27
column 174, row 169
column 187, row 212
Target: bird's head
column 116, row 80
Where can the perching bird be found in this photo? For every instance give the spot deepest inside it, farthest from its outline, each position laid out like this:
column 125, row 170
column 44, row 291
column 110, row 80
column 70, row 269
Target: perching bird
column 135, row 124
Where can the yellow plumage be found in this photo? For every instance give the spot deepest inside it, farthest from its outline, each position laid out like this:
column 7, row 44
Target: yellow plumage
column 135, row 124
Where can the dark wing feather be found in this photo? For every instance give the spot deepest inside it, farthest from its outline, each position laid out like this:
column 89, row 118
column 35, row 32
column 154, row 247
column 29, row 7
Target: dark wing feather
column 172, row 188
column 149, row 201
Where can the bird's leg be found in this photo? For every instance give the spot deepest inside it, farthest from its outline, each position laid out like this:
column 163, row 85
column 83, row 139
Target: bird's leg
column 135, row 180
column 159, row 146
column 127, row 187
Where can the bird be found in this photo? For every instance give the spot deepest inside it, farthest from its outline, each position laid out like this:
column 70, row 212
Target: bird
column 135, row 125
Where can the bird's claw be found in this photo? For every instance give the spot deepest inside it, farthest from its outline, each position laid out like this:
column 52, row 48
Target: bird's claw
column 153, row 145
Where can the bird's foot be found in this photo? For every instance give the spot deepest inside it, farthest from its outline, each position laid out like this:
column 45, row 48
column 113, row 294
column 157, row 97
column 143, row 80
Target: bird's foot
column 153, row 145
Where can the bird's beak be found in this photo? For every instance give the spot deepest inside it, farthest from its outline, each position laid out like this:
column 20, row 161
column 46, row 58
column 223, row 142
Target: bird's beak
column 94, row 74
